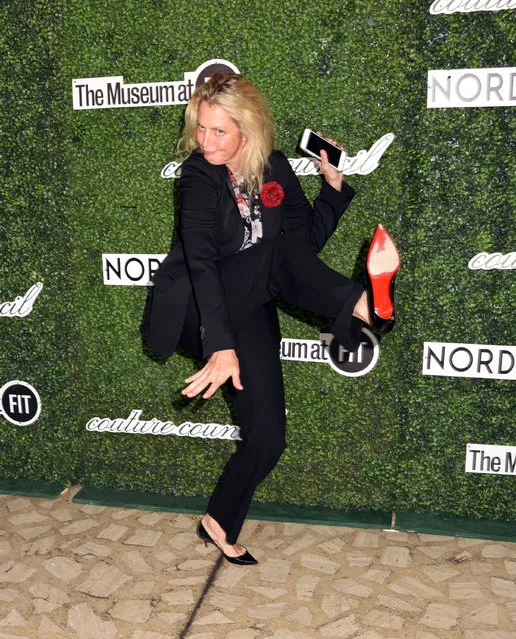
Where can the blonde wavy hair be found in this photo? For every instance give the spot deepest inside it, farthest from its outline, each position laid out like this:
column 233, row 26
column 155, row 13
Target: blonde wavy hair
column 246, row 106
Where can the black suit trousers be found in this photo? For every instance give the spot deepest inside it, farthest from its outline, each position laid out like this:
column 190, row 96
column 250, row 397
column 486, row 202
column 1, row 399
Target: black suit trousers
column 295, row 273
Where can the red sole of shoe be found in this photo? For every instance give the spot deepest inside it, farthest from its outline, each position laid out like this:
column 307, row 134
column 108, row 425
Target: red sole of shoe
column 381, row 294
column 381, row 282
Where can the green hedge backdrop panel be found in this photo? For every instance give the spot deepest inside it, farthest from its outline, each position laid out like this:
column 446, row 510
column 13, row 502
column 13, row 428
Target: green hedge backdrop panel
column 83, row 183
column 35, row 238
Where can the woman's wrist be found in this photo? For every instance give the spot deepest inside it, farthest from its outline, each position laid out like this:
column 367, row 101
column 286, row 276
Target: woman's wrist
column 335, row 182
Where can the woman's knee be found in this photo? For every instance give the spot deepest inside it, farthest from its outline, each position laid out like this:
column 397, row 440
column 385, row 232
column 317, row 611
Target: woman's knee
column 267, row 447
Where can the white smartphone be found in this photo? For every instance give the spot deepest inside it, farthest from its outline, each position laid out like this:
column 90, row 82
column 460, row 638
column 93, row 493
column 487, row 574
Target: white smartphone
column 312, row 143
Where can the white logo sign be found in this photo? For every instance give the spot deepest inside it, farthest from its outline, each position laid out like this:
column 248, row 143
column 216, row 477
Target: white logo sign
column 112, row 93
column 22, row 305
column 489, row 261
column 363, row 163
column 471, row 88
column 133, row 425
column 495, row 460
column 466, row 6
column 328, row 351
column 125, row 269
column 20, row 403
column 469, row 360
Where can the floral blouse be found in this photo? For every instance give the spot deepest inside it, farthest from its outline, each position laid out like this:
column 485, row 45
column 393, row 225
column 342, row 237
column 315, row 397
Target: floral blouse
column 249, row 211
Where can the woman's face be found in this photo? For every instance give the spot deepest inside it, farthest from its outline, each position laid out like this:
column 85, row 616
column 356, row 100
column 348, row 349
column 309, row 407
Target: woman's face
column 218, row 137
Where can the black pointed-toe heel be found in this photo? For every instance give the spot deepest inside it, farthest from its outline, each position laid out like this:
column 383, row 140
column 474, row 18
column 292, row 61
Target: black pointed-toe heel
column 383, row 261
column 245, row 559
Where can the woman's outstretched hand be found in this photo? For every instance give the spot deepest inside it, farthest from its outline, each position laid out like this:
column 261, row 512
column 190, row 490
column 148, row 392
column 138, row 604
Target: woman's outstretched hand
column 218, row 369
column 331, row 175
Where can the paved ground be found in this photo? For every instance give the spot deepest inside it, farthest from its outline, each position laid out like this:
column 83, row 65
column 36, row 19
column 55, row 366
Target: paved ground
column 69, row 570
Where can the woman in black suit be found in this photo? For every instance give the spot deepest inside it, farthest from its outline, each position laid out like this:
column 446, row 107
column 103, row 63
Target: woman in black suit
column 247, row 234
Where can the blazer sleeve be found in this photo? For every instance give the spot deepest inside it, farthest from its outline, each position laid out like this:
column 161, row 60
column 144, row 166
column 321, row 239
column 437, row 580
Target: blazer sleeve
column 315, row 223
column 199, row 193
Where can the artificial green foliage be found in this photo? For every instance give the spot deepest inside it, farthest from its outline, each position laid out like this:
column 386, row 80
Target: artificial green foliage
column 35, row 240
column 78, row 184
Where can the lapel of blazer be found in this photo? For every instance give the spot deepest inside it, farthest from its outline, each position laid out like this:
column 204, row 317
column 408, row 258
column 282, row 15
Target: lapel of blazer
column 270, row 174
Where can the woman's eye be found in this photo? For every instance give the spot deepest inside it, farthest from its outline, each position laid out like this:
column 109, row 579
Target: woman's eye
column 200, row 127
column 220, row 131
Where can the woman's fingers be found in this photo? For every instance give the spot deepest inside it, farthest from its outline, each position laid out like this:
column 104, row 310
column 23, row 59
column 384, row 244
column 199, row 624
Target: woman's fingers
column 197, row 381
column 195, row 387
column 220, row 367
column 211, row 390
column 235, row 378
column 325, row 165
column 215, row 385
column 202, row 373
column 331, row 174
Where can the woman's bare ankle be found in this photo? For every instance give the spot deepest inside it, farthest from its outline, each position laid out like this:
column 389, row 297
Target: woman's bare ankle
column 361, row 310
column 217, row 533
column 213, row 527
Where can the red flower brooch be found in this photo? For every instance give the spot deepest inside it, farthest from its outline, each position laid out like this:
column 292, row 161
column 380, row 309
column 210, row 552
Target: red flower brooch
column 272, row 194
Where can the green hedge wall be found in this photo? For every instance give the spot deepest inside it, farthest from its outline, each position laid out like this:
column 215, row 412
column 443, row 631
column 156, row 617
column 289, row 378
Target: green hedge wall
column 82, row 183
column 35, row 240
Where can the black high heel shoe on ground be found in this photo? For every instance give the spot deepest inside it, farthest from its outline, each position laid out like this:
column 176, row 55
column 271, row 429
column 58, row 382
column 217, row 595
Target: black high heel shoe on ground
column 383, row 261
column 245, row 559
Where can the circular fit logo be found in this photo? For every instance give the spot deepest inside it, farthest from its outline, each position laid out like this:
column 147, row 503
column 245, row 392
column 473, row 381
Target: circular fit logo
column 20, row 403
column 207, row 69
column 356, row 363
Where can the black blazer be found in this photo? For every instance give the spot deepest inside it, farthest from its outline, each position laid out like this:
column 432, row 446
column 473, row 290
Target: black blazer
column 205, row 258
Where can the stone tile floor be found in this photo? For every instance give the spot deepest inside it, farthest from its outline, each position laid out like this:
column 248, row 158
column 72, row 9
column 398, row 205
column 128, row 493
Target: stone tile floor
column 71, row 570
